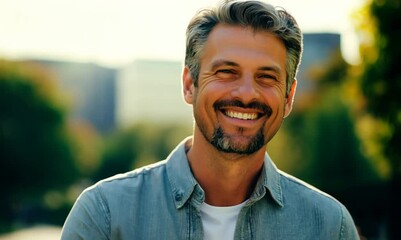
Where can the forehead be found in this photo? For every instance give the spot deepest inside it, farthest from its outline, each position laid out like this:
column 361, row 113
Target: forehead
column 244, row 45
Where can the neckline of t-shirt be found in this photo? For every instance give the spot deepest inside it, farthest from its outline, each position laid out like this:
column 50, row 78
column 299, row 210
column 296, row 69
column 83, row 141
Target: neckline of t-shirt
column 209, row 207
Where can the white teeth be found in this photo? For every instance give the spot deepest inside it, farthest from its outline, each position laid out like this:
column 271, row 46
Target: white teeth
column 243, row 116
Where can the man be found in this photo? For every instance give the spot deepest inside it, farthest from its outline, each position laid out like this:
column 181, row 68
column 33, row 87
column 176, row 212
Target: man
column 239, row 76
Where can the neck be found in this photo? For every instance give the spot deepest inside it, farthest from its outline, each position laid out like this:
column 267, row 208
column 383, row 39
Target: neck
column 227, row 179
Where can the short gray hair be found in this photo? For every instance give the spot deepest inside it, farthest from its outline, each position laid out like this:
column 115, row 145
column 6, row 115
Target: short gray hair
column 255, row 14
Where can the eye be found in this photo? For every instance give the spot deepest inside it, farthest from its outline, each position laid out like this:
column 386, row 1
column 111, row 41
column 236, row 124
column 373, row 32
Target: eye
column 228, row 71
column 267, row 76
column 225, row 73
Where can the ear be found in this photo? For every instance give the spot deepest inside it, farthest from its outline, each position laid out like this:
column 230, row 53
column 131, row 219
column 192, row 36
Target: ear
column 188, row 85
column 290, row 99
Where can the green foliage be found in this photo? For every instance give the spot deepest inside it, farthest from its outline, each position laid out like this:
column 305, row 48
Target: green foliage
column 381, row 79
column 331, row 151
column 380, row 84
column 137, row 146
column 34, row 146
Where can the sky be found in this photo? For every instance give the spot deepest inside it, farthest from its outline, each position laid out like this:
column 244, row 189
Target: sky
column 116, row 32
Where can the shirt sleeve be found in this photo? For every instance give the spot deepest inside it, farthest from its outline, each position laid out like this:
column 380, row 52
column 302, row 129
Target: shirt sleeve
column 89, row 218
column 348, row 228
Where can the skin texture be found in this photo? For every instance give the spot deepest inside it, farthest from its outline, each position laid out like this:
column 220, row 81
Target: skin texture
column 242, row 75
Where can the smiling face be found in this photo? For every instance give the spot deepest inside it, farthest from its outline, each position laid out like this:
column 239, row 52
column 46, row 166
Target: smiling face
column 240, row 101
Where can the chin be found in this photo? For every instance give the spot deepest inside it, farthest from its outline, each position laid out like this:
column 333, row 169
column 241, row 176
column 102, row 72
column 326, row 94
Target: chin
column 237, row 144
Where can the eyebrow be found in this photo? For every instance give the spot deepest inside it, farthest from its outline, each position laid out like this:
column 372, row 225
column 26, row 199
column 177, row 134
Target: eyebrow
column 222, row 62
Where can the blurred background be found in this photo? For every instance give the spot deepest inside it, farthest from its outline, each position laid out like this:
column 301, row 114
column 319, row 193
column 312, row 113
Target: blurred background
column 89, row 89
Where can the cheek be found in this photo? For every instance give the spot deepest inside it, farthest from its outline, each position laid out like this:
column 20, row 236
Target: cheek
column 209, row 93
column 274, row 122
column 275, row 98
column 203, row 103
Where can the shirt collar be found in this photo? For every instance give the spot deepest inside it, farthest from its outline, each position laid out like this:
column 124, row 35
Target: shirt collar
column 183, row 183
column 269, row 180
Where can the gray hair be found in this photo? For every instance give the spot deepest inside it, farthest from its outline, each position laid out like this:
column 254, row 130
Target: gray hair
column 257, row 15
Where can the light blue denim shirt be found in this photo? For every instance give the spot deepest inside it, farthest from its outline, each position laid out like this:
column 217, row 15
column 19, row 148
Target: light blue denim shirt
column 162, row 201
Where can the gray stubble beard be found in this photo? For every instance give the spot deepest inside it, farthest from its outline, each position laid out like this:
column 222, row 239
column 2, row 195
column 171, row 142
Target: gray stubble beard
column 223, row 142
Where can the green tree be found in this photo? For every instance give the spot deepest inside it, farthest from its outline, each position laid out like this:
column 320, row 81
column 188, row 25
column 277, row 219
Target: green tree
column 331, row 148
column 36, row 157
column 143, row 143
column 380, row 84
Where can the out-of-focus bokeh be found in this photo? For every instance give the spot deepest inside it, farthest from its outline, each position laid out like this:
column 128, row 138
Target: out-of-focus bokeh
column 65, row 124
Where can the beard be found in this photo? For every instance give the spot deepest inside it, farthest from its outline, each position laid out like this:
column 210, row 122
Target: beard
column 229, row 143
column 226, row 143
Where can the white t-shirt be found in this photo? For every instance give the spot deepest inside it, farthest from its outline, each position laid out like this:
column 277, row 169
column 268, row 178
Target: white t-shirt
column 219, row 222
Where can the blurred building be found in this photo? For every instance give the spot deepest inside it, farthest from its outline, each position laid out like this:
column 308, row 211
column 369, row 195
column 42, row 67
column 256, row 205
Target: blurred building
column 91, row 89
column 150, row 90
column 318, row 49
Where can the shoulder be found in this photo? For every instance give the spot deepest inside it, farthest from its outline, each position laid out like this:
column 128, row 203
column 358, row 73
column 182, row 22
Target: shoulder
column 304, row 196
column 126, row 185
column 296, row 187
column 301, row 196
column 130, row 180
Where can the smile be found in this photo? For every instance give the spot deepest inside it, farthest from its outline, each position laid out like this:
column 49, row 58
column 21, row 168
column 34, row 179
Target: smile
column 242, row 116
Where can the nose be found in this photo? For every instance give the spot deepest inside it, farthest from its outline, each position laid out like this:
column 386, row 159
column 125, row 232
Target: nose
column 246, row 90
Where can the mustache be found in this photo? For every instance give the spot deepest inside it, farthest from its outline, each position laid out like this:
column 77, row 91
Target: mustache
column 237, row 103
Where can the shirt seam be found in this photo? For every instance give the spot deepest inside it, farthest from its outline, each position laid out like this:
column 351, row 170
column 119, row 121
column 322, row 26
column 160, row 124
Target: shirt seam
column 105, row 209
column 342, row 224
column 134, row 173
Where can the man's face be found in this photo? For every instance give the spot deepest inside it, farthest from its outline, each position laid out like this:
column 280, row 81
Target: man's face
column 240, row 100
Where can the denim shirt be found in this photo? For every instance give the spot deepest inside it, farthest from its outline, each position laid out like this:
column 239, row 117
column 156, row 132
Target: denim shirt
column 162, row 201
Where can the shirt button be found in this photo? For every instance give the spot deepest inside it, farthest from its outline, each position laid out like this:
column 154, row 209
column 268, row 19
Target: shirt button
column 178, row 196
